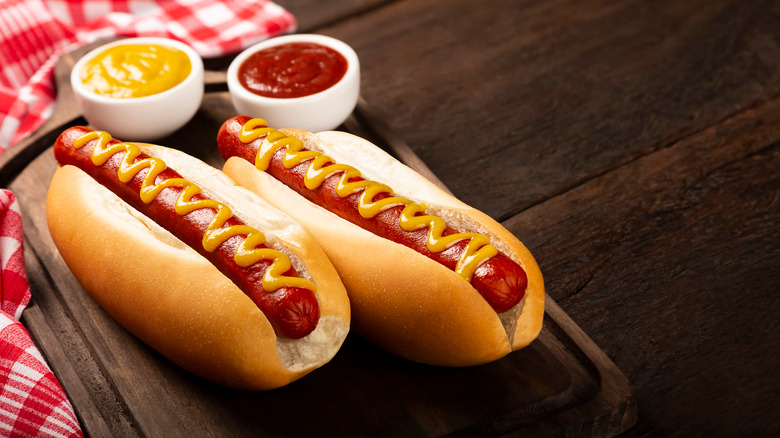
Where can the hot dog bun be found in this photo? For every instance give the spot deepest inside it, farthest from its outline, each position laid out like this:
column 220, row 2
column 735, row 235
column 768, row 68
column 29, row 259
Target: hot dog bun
column 402, row 300
column 176, row 301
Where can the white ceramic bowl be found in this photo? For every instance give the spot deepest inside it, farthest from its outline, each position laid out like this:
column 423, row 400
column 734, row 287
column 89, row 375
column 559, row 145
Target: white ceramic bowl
column 321, row 111
column 141, row 118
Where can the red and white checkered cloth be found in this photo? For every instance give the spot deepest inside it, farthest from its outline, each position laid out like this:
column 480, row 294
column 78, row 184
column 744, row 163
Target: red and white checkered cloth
column 32, row 402
column 34, row 33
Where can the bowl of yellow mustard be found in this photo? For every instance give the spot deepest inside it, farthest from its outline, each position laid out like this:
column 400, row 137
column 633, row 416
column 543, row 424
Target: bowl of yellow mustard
column 139, row 89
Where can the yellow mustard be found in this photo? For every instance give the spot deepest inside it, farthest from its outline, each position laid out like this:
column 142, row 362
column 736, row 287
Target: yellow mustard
column 135, row 70
column 247, row 252
column 477, row 250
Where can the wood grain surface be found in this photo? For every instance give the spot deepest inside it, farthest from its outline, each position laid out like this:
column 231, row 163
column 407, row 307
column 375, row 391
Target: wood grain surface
column 120, row 387
column 633, row 146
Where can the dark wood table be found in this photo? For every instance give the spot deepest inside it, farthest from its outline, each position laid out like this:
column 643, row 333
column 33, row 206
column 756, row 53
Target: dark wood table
column 632, row 146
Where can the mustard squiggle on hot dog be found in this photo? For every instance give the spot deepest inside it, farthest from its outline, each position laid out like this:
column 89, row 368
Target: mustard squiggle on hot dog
column 477, row 250
column 247, row 253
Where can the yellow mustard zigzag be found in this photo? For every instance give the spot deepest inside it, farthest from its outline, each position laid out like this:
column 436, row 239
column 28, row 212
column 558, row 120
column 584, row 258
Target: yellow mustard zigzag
column 247, row 253
column 477, row 250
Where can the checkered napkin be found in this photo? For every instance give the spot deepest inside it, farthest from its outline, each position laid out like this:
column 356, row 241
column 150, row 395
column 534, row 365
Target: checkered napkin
column 34, row 33
column 32, row 402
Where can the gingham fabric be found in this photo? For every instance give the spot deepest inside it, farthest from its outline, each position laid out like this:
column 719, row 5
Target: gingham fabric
column 32, row 402
column 14, row 289
column 34, row 33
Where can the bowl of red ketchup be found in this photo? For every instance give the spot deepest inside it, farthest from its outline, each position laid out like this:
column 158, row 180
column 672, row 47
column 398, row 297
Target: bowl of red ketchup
column 302, row 81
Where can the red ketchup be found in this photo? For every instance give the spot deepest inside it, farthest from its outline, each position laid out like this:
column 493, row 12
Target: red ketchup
column 292, row 70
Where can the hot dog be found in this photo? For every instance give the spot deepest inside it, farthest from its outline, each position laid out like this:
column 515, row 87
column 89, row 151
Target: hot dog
column 429, row 277
column 204, row 271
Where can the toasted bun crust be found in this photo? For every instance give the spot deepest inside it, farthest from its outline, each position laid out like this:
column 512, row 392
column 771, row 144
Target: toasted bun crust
column 402, row 300
column 176, row 301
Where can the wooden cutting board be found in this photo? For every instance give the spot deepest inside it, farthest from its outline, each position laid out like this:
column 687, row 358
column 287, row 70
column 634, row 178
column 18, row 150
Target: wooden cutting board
column 562, row 384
